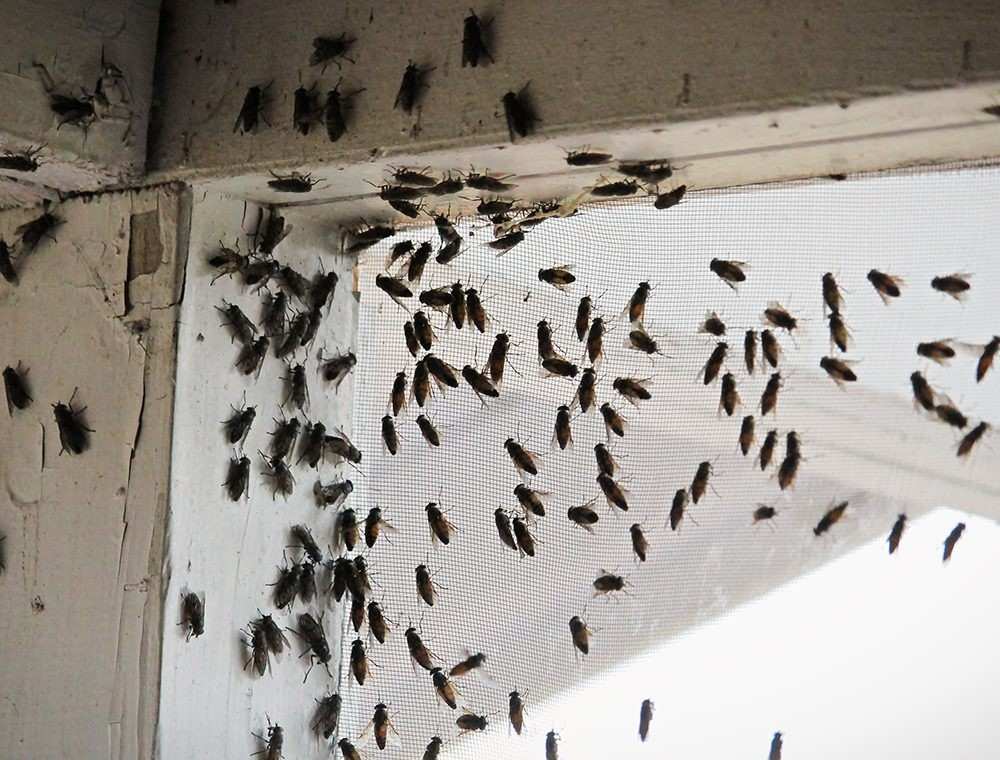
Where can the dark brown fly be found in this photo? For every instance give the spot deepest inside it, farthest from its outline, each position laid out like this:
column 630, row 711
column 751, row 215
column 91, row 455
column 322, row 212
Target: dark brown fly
column 447, row 186
column 16, row 388
column 546, row 347
column 971, row 438
column 713, row 325
column 381, row 725
column 533, row 502
column 767, row 449
column 608, row 583
column 583, row 312
column 307, row 583
column 714, row 363
column 939, row 351
column 424, row 330
column 457, row 308
column 552, row 746
column 304, row 538
column 390, row 438
column 605, row 462
column 519, row 111
column 333, row 494
column 410, row 87
column 632, row 390
column 397, row 397
column 583, row 516
column 515, row 711
column 613, row 492
column 749, row 350
column 886, row 285
column 747, row 434
column 789, row 468
column 639, row 543
column 986, row 358
column 474, row 50
column 831, row 518
column 955, row 285
column 467, row 665
column 327, row 50
column 418, row 260
column 506, row 242
column 313, row 444
column 923, row 394
column 896, row 533
column 327, row 715
column 336, row 369
column 239, row 323
column 839, row 334
column 441, row 371
column 670, row 198
column 497, row 361
column 283, row 482
column 428, row 431
column 73, row 433
column 444, row 688
column 479, row 383
column 421, row 387
column 252, row 355
column 343, row 577
column 33, row 232
column 359, row 662
column 418, row 651
column 377, row 622
column 730, row 272
column 950, row 415
column 641, row 340
column 645, row 718
column 274, row 742
column 763, row 512
column 523, row 460
column 23, row 161
column 393, row 287
column 286, row 588
column 193, row 614
column 700, row 482
column 410, row 336
column 426, row 588
column 557, row 366
column 374, row 523
column 619, row 189
column 504, row 529
column 729, row 398
column 433, row 749
column 586, row 393
column 298, row 389
column 347, row 528
column 438, row 299
column 839, row 370
column 259, row 658
column 348, row 750
column 477, row 314
column 777, row 316
column 951, row 540
column 563, row 434
column 558, row 277
column 637, row 303
column 441, row 527
column 586, row 158
column 525, row 541
column 580, row 634
column 831, row 293
column 770, row 347
column 613, row 422
column 469, row 722
column 8, row 270
column 769, row 398
column 677, row 507
column 292, row 183
column 775, row 751
column 238, row 478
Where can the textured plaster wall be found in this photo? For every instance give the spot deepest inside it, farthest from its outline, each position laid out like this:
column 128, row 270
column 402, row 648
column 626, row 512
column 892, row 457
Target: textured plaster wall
column 81, row 596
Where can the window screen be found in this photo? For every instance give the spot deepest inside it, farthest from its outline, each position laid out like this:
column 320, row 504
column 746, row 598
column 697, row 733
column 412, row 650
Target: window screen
column 864, row 443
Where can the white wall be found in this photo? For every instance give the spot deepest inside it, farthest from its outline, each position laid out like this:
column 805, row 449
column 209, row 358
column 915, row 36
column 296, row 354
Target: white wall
column 210, row 704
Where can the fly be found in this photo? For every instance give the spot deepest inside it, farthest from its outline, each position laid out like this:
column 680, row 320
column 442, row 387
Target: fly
column 789, row 468
column 886, row 285
column 713, row 325
column 951, row 540
column 955, row 285
column 552, row 746
column 586, row 396
column 677, row 507
column 409, row 89
column 274, row 313
column 769, row 398
column 971, row 438
column 334, row 112
column 595, row 341
column 193, row 614
column 515, row 711
column 421, row 387
column 336, row 369
column 441, row 527
column 73, row 433
column 479, row 383
column 16, row 388
column 286, row 588
column 304, row 109
column 618, row 189
column 438, row 299
column 770, row 347
column 556, row 366
column 271, row 236
column 775, row 751
column 474, row 48
column 580, row 634
column 418, row 651
column 348, row 750
column 608, row 583
column 632, row 390
column 605, row 462
column 377, row 622
column 394, row 288
column 838, row 370
column 444, row 688
column 923, row 394
column 292, row 183
column 584, row 516
column 251, row 112
column 778, row 316
column 469, row 722
column 298, row 389
column 347, row 529
column 830, row 518
column 7, row 268
column 307, row 543
column 410, row 336
column 242, row 328
column 477, row 314
column 441, row 371
column 433, row 749
column 447, row 186
column 986, row 358
column 939, row 351
column 650, row 172
column 714, row 363
column 457, row 308
column 639, row 543
column 839, row 334
column 670, row 198
column 489, row 183
column 637, row 303
column 399, row 192
column 533, row 502
column 583, row 311
column 313, row 444
column 278, row 471
column 426, row 588
column 332, row 494
column 520, row 113
column 614, row 493
column 524, row 461
column 948, row 414
column 259, row 655
column 525, row 541
column 645, row 718
column 381, row 725
column 763, row 512
column 327, row 50
column 831, row 294
column 504, row 529
column 559, row 276
column 449, row 252
column 506, row 242
column 563, row 435
column 641, row 340
column 24, row 161
column 359, row 662
column 238, row 478
column 767, row 449
column 747, row 434
column 273, row 743
column 587, row 158
column 307, row 583
column 700, row 482
column 896, row 533
column 730, row 272
column 327, row 715
column 750, row 350
column 613, row 422
column 424, row 330
column 729, row 398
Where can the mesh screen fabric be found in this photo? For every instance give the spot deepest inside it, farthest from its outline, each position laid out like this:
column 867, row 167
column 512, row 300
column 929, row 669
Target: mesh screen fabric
column 916, row 224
